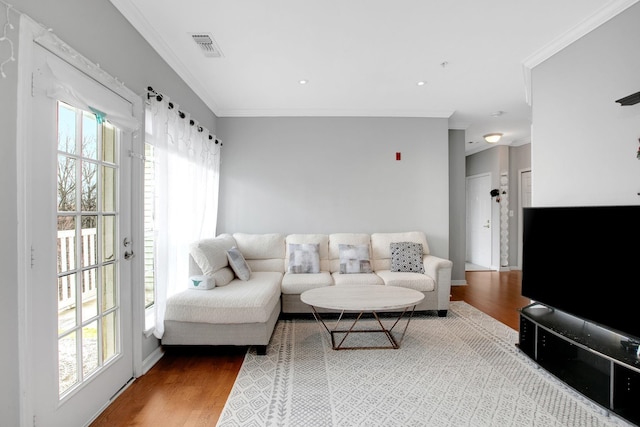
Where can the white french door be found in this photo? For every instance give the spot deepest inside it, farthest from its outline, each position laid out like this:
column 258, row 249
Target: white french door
column 479, row 220
column 79, row 294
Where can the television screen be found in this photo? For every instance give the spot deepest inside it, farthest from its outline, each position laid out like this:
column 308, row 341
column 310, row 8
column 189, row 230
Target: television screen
column 585, row 261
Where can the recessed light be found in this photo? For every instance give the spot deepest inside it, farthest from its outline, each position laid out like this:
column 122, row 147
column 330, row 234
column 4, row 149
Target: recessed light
column 303, row 82
column 421, row 83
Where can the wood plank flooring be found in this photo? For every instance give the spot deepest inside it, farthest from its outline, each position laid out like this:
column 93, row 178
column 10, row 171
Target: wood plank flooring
column 189, row 386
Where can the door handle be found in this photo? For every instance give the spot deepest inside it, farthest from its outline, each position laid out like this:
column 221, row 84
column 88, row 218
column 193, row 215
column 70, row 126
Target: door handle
column 128, row 255
column 487, row 225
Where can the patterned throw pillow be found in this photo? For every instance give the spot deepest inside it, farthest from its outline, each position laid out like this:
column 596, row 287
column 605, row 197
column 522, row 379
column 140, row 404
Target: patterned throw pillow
column 406, row 257
column 354, row 259
column 238, row 264
column 304, row 258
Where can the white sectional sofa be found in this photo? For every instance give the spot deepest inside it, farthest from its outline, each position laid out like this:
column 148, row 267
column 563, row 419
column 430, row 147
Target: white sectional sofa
column 280, row 267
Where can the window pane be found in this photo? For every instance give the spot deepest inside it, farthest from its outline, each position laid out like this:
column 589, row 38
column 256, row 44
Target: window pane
column 66, row 128
column 90, row 360
column 109, row 336
column 108, row 287
column 66, row 183
column 89, row 136
column 88, row 197
column 108, row 189
column 66, row 243
column 108, row 238
column 67, row 362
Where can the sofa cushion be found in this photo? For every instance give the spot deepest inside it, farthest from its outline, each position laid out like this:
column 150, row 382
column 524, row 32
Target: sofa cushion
column 303, row 258
column 298, row 283
column 354, row 259
column 260, row 246
column 406, row 257
column 250, row 301
column 238, row 264
column 356, row 279
column 223, row 276
column 417, row 281
column 211, row 254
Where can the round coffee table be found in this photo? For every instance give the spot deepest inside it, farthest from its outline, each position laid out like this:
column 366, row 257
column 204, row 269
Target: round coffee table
column 363, row 299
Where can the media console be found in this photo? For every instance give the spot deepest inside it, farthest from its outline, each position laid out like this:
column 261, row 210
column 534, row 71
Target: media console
column 601, row 364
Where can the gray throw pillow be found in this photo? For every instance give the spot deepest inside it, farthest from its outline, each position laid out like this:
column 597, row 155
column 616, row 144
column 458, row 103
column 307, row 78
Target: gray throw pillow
column 406, row 257
column 354, row 259
column 238, row 264
column 304, row 258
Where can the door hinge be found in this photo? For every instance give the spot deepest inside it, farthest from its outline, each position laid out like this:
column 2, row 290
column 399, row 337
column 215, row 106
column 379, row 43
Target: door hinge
column 33, row 258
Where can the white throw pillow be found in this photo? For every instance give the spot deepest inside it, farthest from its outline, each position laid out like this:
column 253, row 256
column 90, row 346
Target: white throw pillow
column 304, row 258
column 238, row 264
column 354, row 259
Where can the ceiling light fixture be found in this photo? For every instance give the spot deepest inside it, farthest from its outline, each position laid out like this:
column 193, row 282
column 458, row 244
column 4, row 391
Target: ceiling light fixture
column 303, row 82
column 492, row 138
column 421, row 83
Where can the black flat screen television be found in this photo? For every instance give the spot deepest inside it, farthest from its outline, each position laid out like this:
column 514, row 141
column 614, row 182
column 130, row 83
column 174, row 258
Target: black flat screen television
column 585, row 261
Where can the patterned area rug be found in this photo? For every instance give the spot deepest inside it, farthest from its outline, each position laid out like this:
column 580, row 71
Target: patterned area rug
column 462, row 370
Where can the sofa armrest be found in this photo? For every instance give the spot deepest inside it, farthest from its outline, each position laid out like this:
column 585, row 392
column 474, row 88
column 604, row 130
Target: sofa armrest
column 440, row 270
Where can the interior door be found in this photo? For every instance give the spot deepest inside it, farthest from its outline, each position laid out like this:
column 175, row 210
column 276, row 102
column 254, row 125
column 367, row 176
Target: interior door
column 479, row 220
column 79, row 293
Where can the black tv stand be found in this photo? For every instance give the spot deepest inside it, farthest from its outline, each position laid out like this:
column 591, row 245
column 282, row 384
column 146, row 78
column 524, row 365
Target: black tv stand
column 601, row 364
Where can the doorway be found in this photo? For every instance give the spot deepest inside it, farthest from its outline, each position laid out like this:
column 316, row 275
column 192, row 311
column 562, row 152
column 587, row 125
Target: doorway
column 79, row 322
column 479, row 225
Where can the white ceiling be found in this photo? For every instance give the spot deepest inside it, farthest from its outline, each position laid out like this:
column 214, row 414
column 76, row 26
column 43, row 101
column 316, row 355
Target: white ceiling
column 365, row 57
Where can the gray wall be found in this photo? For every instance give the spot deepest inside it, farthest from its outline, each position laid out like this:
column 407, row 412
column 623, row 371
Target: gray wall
column 457, row 206
column 9, row 308
column 584, row 144
column 326, row 175
column 100, row 33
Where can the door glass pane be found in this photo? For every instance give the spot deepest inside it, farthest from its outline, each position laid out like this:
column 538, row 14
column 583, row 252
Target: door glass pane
column 109, row 143
column 90, row 360
column 109, row 336
column 149, row 227
column 108, row 189
column 66, row 302
column 66, row 128
column 66, row 183
column 108, row 287
column 67, row 362
column 108, row 237
column 66, row 243
column 89, row 186
column 89, row 240
column 89, row 299
column 89, row 136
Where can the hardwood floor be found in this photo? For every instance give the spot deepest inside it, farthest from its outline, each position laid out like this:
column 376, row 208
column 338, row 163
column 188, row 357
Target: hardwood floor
column 189, row 387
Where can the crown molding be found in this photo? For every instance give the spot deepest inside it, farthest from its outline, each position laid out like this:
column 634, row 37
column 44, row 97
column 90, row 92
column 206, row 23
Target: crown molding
column 331, row 112
column 598, row 18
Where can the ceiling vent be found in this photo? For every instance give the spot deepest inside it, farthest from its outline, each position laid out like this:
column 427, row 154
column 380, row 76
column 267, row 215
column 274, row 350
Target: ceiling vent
column 207, row 45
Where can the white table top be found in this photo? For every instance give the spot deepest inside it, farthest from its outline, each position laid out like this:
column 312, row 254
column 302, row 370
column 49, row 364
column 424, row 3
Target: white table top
column 362, row 297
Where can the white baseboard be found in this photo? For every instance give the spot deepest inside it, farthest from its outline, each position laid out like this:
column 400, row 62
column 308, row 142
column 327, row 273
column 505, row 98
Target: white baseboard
column 152, row 359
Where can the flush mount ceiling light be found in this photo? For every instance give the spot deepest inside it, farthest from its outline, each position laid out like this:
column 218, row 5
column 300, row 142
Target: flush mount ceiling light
column 303, row 82
column 492, row 138
column 421, row 83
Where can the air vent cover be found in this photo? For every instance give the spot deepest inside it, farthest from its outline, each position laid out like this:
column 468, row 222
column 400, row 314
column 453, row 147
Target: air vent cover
column 207, row 45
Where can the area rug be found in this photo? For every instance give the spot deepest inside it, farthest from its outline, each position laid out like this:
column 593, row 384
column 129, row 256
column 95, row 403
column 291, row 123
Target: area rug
column 461, row 370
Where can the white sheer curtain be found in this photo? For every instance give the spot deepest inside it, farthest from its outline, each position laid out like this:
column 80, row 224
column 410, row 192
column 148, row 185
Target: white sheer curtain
column 187, row 163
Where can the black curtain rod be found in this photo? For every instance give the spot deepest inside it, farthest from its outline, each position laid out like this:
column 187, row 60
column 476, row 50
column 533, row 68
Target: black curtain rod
column 158, row 96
